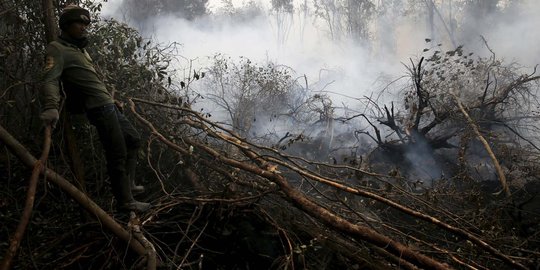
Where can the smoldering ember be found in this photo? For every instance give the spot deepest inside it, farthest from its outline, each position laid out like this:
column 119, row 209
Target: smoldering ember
column 283, row 134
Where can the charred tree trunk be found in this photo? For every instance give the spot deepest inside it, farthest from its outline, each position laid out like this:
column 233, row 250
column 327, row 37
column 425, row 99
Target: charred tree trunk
column 51, row 30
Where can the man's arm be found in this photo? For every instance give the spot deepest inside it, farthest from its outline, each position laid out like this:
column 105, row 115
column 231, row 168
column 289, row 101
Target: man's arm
column 50, row 90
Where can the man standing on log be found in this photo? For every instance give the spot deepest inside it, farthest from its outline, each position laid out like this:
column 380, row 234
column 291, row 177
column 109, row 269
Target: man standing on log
column 67, row 61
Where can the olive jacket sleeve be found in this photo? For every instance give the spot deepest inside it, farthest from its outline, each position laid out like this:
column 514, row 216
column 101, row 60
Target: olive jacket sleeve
column 50, row 91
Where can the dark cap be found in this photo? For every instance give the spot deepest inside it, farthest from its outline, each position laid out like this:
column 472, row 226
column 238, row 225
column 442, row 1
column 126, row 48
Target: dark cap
column 73, row 13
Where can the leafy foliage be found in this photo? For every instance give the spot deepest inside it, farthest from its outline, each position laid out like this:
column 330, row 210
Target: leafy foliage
column 247, row 91
column 130, row 64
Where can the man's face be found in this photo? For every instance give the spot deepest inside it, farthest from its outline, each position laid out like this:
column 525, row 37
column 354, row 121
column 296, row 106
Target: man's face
column 77, row 30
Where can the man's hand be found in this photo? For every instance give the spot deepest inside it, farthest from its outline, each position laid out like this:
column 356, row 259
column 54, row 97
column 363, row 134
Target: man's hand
column 50, row 117
column 119, row 105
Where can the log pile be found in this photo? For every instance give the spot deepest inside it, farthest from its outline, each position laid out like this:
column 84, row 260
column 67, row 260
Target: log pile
column 264, row 208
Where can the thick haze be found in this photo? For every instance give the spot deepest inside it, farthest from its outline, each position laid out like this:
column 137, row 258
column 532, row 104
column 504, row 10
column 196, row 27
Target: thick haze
column 307, row 48
column 344, row 67
column 307, row 52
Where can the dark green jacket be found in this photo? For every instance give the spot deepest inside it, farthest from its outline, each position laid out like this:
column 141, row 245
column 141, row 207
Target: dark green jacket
column 74, row 67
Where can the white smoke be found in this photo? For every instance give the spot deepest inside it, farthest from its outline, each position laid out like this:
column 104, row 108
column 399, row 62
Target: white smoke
column 516, row 39
column 307, row 48
column 340, row 67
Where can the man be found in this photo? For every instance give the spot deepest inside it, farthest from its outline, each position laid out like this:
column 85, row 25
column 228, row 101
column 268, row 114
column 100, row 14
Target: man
column 68, row 61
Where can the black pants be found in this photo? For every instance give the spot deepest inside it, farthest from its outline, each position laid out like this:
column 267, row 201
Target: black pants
column 121, row 142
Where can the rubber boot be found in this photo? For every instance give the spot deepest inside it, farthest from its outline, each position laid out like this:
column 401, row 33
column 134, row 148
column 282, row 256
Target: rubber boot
column 131, row 164
column 122, row 192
